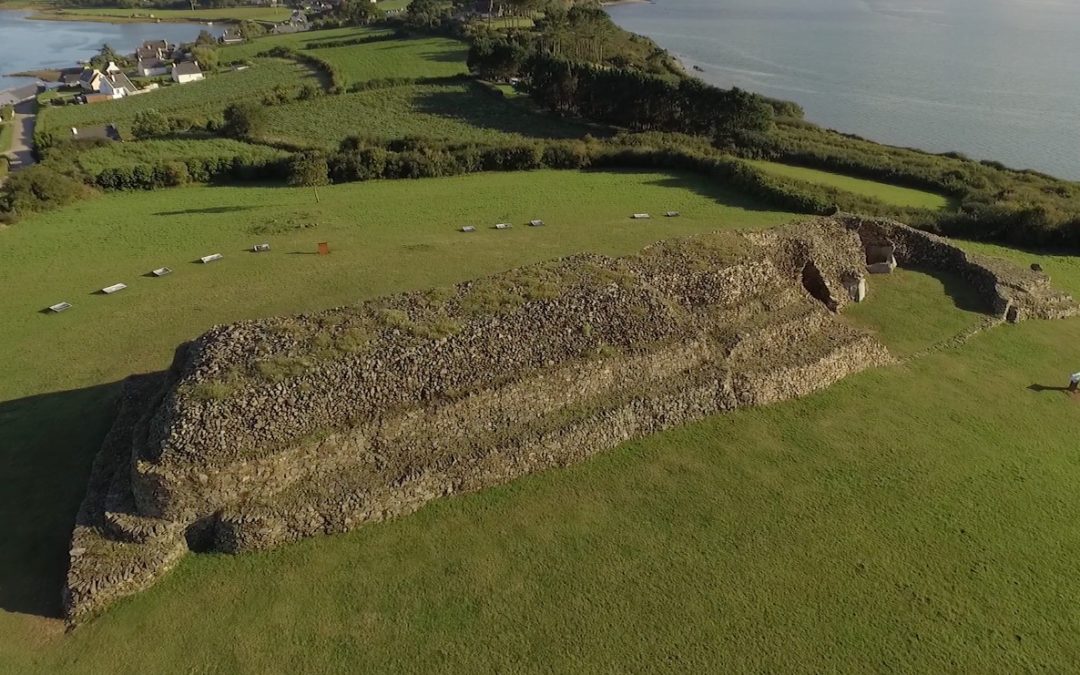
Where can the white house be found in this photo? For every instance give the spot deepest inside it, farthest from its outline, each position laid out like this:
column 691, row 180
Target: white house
column 152, row 67
column 117, row 86
column 185, row 72
column 112, row 69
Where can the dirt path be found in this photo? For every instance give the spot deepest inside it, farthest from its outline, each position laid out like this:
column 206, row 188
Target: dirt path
column 22, row 145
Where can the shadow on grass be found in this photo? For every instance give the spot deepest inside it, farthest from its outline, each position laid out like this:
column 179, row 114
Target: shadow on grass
column 482, row 111
column 700, row 185
column 963, row 294
column 1039, row 388
column 207, row 210
column 47, row 445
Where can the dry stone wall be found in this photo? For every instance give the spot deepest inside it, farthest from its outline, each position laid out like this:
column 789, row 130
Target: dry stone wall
column 268, row 431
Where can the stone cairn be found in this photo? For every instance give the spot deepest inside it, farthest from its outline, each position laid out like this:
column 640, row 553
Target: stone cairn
column 265, row 432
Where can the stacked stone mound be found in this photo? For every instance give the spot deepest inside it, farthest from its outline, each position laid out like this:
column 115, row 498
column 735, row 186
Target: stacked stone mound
column 267, row 431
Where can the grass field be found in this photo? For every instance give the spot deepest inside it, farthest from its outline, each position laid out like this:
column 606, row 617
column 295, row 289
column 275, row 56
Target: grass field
column 156, row 152
column 890, row 194
column 121, row 15
column 363, row 54
column 459, row 112
column 197, row 100
column 917, row 518
column 421, row 57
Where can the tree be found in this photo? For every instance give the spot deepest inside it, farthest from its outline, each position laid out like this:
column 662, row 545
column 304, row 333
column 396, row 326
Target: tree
column 244, row 121
column 150, row 124
column 308, row 169
column 107, row 54
column 206, row 38
column 206, row 56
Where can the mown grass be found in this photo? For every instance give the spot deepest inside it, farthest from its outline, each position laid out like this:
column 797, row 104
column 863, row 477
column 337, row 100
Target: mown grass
column 157, row 151
column 225, row 14
column 890, row 194
column 459, row 112
column 910, row 310
column 196, row 101
column 362, row 54
column 917, row 518
column 419, row 57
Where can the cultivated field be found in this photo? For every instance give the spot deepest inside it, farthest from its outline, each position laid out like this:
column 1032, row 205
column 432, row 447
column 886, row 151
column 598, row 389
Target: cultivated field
column 890, row 194
column 196, row 101
column 458, row 111
column 156, row 151
column 918, row 517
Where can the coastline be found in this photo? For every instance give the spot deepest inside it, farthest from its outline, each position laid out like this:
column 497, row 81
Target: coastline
column 616, row 3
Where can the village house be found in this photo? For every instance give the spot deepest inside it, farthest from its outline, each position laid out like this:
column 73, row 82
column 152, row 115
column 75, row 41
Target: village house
column 90, row 80
column 155, row 49
column 117, row 85
column 186, row 71
column 151, row 67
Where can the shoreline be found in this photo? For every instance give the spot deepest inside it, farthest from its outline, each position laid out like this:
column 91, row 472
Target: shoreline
column 616, row 3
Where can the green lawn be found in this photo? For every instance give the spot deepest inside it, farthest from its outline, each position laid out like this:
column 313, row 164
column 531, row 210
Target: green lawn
column 459, row 112
column 916, row 518
column 421, row 57
column 363, row 54
column 196, row 100
column 890, row 194
column 121, row 14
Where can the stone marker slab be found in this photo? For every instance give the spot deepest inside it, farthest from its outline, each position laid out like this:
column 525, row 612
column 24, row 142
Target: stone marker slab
column 502, row 226
column 672, row 214
column 260, row 248
column 115, row 288
column 641, row 216
column 60, row 307
column 162, row 271
column 468, row 228
column 211, row 258
column 536, row 223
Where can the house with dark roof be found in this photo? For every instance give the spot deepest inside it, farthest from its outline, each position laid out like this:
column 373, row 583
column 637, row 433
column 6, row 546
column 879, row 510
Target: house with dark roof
column 19, row 94
column 90, row 79
column 117, row 85
column 155, row 49
column 186, row 71
column 151, row 67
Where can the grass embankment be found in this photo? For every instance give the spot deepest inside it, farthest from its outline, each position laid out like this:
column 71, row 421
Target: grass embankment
column 457, row 112
column 197, row 101
column 143, row 15
column 893, row 195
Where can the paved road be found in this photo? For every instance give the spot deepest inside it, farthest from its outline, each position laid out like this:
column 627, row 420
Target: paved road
column 22, row 153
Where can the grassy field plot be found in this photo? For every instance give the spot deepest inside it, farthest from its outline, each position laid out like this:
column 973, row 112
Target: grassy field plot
column 197, row 101
column 459, row 112
column 420, row 57
column 890, row 194
column 362, row 54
